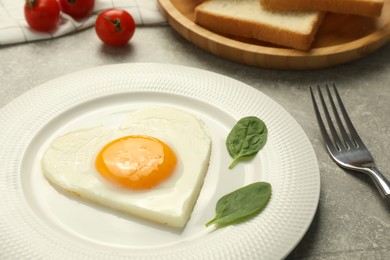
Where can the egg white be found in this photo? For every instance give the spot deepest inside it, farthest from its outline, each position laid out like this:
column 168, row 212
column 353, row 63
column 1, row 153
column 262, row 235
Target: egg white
column 69, row 163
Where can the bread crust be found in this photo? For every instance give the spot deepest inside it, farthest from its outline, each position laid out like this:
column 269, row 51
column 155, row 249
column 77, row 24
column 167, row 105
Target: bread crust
column 370, row 8
column 227, row 25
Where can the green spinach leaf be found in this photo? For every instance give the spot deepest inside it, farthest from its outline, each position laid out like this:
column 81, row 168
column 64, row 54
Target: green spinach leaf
column 246, row 139
column 240, row 204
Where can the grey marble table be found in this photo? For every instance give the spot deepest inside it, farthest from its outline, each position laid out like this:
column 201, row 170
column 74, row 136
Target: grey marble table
column 352, row 221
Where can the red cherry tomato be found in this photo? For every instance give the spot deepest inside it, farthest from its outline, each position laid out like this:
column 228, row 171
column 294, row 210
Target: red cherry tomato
column 42, row 15
column 77, row 8
column 115, row 27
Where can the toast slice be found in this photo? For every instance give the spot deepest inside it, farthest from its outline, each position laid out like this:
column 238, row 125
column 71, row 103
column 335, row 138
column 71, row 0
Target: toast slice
column 247, row 18
column 371, row 8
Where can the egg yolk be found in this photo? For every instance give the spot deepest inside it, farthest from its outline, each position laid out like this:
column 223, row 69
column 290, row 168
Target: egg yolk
column 136, row 162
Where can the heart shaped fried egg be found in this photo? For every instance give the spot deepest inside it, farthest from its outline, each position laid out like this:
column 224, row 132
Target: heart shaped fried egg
column 152, row 167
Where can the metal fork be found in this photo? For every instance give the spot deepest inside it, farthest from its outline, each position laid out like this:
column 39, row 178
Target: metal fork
column 346, row 148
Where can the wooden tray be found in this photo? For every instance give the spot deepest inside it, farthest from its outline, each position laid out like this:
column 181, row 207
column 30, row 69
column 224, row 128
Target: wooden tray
column 340, row 39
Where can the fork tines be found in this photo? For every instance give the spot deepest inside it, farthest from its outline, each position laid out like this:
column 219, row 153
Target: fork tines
column 341, row 139
column 346, row 148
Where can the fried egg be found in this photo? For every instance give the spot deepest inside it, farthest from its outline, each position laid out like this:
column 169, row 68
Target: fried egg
column 152, row 167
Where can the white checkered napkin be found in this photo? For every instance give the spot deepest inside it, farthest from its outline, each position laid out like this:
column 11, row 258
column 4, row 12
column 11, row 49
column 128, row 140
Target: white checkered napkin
column 14, row 28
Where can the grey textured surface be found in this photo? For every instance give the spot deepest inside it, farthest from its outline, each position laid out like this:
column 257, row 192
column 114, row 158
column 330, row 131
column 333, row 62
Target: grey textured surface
column 352, row 221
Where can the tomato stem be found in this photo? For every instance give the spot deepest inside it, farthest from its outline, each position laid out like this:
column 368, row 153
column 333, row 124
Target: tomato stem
column 116, row 22
column 72, row 1
column 31, row 3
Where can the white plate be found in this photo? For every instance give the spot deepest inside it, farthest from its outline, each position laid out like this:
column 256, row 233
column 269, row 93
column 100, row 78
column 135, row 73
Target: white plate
column 38, row 221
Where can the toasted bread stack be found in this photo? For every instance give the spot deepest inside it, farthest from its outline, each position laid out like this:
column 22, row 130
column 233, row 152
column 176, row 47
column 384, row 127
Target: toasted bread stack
column 288, row 23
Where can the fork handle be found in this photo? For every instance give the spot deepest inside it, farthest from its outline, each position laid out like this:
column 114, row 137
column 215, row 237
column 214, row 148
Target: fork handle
column 381, row 182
